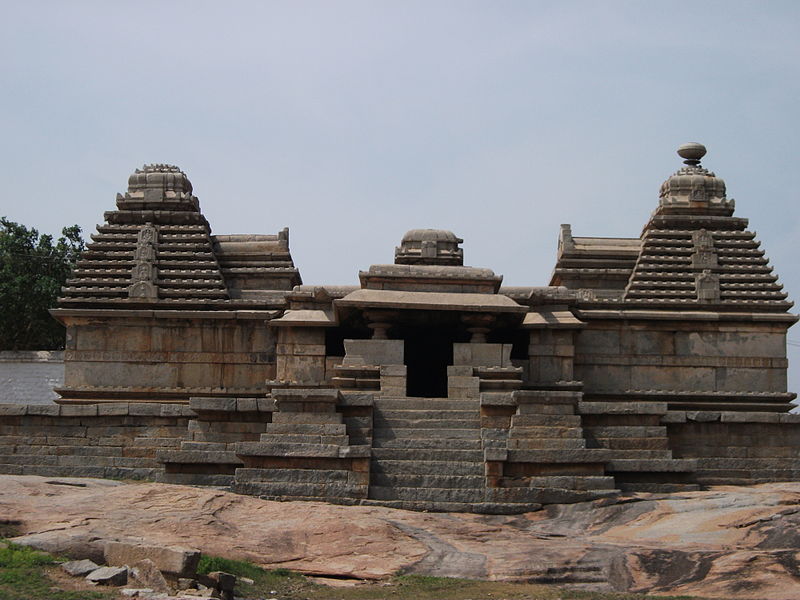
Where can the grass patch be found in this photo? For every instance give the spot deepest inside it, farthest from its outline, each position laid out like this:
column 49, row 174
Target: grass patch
column 24, row 576
column 283, row 582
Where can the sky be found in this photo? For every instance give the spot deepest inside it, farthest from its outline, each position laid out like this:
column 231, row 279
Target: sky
column 351, row 122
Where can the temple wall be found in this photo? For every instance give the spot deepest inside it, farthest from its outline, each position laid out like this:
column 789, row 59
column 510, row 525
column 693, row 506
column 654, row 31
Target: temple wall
column 172, row 352
column 29, row 377
column 736, row 448
column 615, row 356
column 117, row 441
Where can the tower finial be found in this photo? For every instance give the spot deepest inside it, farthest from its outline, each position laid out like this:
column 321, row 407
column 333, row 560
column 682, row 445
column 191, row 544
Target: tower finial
column 692, row 153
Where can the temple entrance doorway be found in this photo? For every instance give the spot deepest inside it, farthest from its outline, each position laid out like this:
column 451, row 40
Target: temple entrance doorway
column 428, row 352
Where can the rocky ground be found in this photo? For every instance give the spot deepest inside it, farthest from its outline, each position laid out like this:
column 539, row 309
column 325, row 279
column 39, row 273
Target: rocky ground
column 728, row 542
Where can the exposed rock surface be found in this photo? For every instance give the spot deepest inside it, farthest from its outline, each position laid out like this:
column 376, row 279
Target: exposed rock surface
column 741, row 542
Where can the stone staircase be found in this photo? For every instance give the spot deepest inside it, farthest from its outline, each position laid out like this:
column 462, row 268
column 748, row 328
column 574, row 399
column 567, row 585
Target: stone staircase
column 427, row 454
column 208, row 457
column 640, row 459
column 304, row 452
column 547, row 459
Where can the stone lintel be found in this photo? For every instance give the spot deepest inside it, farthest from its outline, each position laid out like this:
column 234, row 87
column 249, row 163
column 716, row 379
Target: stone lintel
column 552, row 319
column 622, row 408
column 445, row 301
column 306, row 318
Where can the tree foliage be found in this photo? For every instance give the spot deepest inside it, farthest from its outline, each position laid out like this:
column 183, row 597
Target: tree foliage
column 33, row 268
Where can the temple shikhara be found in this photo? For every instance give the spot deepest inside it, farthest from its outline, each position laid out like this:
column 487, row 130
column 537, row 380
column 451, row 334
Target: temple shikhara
column 650, row 363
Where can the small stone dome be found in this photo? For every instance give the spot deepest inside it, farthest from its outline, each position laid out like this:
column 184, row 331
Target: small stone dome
column 693, row 185
column 429, row 247
column 431, row 235
column 160, row 176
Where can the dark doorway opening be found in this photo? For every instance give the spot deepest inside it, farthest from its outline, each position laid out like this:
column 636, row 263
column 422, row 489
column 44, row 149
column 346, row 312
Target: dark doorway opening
column 428, row 352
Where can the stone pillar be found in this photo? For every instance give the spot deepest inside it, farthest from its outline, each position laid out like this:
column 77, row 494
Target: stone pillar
column 479, row 326
column 301, row 355
column 552, row 355
column 380, row 321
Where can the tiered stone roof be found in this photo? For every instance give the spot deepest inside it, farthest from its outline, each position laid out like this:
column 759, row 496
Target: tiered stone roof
column 695, row 252
column 692, row 254
column 157, row 249
column 600, row 264
column 665, row 273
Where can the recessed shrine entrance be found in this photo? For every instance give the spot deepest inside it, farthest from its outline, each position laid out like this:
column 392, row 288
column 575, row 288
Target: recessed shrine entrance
column 428, row 353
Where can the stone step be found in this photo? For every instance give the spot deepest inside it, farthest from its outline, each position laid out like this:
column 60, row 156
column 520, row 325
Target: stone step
column 293, row 475
column 452, row 444
column 546, row 421
column 499, row 385
column 197, row 457
column 286, row 489
column 380, row 492
column 472, row 422
column 470, row 482
column 675, row 465
column 567, row 482
column 283, row 449
column 546, row 409
column 754, row 464
column 425, row 404
column 204, row 479
column 307, row 428
column 661, row 488
column 625, row 431
column 427, row 454
column 546, row 443
column 427, row 414
column 427, row 467
column 226, row 438
column 33, row 459
column 304, row 438
column 204, row 446
column 636, row 443
column 645, row 454
column 309, row 418
column 571, row 455
column 386, row 433
column 544, row 431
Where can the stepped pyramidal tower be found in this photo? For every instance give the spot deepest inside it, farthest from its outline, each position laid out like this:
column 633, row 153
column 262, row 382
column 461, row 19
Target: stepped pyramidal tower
column 655, row 362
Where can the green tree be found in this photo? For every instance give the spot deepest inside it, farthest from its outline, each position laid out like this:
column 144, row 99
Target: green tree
column 32, row 271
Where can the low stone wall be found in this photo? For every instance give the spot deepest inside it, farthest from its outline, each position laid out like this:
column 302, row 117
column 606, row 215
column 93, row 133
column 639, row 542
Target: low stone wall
column 122, row 440
column 737, row 448
column 113, row 441
column 29, row 377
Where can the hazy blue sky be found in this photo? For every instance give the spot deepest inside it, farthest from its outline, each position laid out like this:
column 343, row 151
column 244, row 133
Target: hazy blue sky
column 351, row 122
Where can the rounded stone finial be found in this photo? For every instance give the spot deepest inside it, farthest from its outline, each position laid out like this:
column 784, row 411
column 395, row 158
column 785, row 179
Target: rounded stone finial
column 692, row 153
column 429, row 247
column 160, row 176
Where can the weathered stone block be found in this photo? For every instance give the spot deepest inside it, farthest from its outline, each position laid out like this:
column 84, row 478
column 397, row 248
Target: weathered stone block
column 49, row 410
column 140, row 409
column 177, row 410
column 373, row 352
column 175, row 560
column 109, row 576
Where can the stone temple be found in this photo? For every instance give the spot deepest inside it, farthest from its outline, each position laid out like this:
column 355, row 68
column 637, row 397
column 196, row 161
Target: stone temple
column 650, row 363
